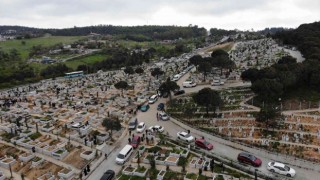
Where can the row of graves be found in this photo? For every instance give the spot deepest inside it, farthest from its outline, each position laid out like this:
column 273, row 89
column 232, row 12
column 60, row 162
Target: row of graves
column 256, row 53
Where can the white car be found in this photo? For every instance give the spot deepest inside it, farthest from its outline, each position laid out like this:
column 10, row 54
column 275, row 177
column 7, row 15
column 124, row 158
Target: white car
column 153, row 99
column 141, row 127
column 164, row 116
column 156, row 128
column 281, row 169
column 185, row 136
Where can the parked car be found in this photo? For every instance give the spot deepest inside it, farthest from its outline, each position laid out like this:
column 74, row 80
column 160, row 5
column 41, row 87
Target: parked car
column 133, row 123
column 156, row 128
column 108, row 175
column 144, row 108
column 164, row 116
column 185, row 136
column 189, row 84
column 204, row 144
column 141, row 127
column 248, row 158
column 135, row 141
column 160, row 107
column 179, row 92
column 281, row 169
column 153, row 99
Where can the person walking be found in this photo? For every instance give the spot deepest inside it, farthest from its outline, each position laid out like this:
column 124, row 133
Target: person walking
column 157, row 116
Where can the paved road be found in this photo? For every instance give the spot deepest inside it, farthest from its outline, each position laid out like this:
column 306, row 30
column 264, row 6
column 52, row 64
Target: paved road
column 222, row 147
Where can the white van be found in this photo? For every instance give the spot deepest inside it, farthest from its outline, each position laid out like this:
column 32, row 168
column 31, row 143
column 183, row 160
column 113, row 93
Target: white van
column 216, row 82
column 124, row 154
column 189, row 84
column 176, row 77
column 153, row 99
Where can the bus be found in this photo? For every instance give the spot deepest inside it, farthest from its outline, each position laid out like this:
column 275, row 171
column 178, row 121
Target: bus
column 74, row 74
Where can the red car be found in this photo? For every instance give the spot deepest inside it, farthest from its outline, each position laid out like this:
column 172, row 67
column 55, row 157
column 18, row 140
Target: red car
column 135, row 141
column 204, row 144
column 247, row 158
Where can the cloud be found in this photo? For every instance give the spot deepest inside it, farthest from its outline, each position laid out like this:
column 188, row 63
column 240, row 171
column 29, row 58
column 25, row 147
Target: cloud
column 228, row 14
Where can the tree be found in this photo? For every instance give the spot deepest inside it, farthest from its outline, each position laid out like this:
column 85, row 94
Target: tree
column 129, row 70
column 121, row 85
column 139, row 70
column 220, row 58
column 267, row 114
column 196, row 60
column 156, row 72
column 268, row 90
column 205, row 68
column 168, row 86
column 111, row 124
column 208, row 98
column 188, row 112
column 251, row 74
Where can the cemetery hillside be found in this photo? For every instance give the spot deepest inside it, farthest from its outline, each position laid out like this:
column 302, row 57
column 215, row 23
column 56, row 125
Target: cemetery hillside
column 159, row 102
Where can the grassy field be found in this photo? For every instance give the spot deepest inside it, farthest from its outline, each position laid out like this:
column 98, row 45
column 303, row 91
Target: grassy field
column 86, row 60
column 44, row 41
column 74, row 63
column 226, row 47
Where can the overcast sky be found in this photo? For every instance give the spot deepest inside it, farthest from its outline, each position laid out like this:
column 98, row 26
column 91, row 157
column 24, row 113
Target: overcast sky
column 226, row 14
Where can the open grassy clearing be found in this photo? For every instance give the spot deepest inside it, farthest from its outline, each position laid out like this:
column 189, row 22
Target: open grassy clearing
column 86, row 60
column 226, row 47
column 44, row 41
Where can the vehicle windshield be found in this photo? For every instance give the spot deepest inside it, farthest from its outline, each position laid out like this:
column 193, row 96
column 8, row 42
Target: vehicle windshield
column 140, row 126
column 206, row 143
column 134, row 141
column 132, row 123
column 252, row 158
column 287, row 168
column 120, row 156
column 187, row 135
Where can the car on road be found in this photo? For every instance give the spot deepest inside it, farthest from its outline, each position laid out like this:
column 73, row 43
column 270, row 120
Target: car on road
column 185, row 136
column 141, row 127
column 164, row 116
column 176, row 77
column 203, row 144
column 248, row 158
column 153, row 99
column 108, row 175
column 144, row 108
column 124, row 154
column 160, row 107
column 179, row 92
column 133, row 123
column 135, row 141
column 187, row 84
column 281, row 169
column 156, row 128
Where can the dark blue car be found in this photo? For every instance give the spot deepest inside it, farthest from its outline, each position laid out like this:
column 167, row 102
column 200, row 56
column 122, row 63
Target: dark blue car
column 160, row 107
column 144, row 108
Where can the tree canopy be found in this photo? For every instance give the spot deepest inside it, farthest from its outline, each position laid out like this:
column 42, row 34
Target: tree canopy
column 208, row 98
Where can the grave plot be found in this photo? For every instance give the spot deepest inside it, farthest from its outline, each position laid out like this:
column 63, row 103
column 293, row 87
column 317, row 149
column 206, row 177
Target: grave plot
column 74, row 158
column 43, row 168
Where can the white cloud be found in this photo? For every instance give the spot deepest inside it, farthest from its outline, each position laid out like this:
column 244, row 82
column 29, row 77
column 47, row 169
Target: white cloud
column 227, row 14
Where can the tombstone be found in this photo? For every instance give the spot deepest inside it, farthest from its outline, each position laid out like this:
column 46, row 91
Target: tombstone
column 250, row 134
column 287, row 138
column 283, row 138
column 319, row 149
column 244, row 134
column 229, row 123
column 319, row 133
column 229, row 133
column 298, row 120
column 301, row 135
column 240, row 129
column 297, row 139
column 286, row 118
column 252, row 128
column 290, row 127
column 220, row 130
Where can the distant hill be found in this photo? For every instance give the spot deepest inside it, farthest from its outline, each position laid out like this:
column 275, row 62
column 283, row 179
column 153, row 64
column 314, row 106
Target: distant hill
column 139, row 33
column 306, row 38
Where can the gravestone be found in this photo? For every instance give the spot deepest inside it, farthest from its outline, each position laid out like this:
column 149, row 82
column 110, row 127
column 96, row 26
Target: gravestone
column 287, row 138
column 290, row 126
column 244, row 134
column 283, row 137
column 220, row 129
column 240, row 129
column 250, row 134
column 229, row 133
column 229, row 123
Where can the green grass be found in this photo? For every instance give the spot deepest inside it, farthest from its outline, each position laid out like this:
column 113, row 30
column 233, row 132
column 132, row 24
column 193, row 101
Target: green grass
column 44, row 41
column 91, row 59
column 35, row 135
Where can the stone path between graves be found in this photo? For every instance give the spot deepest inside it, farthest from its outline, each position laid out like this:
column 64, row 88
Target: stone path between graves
column 15, row 175
column 47, row 158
